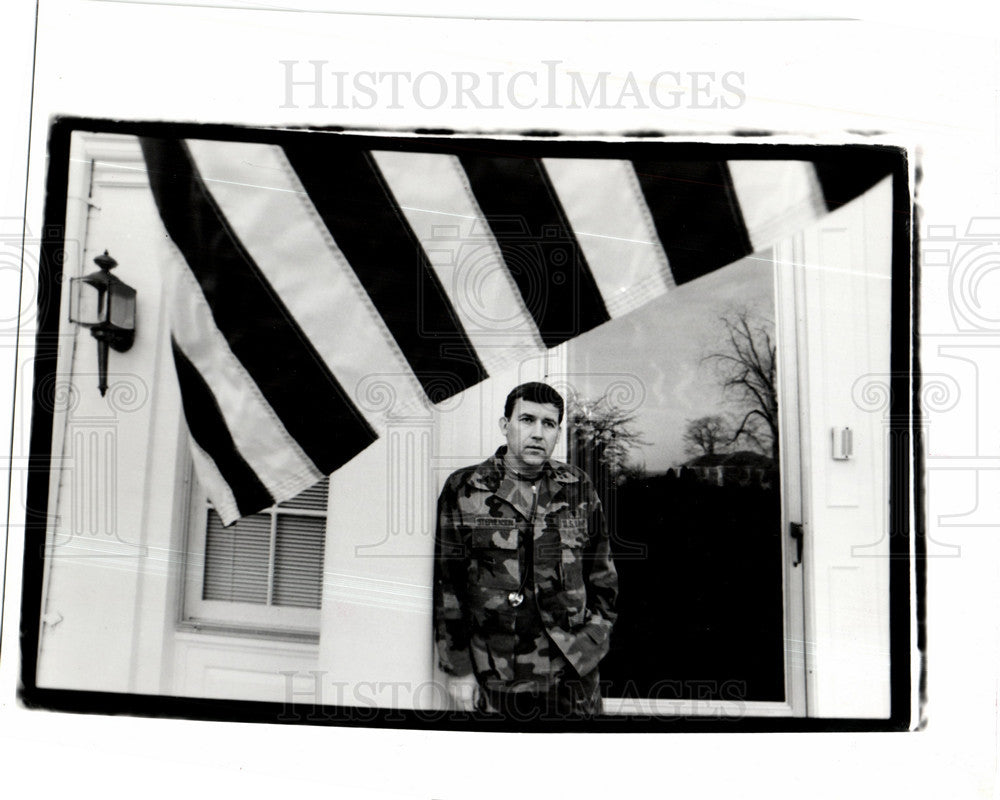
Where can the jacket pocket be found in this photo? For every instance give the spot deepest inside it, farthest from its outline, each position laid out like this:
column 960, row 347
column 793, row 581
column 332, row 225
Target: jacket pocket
column 494, row 551
column 485, row 537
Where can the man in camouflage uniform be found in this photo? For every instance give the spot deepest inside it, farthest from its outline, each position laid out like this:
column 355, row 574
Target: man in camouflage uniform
column 525, row 587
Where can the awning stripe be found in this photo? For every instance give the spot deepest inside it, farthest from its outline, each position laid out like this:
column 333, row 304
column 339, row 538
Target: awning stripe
column 257, row 191
column 697, row 215
column 612, row 223
column 433, row 194
column 256, row 324
column 537, row 245
column 351, row 197
column 776, row 197
column 213, row 484
column 209, row 430
column 841, row 186
column 258, row 434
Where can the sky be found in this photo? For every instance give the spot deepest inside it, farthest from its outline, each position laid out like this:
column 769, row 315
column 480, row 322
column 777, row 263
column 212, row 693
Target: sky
column 658, row 351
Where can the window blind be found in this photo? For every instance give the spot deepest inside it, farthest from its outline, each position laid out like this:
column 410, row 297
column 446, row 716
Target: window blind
column 272, row 558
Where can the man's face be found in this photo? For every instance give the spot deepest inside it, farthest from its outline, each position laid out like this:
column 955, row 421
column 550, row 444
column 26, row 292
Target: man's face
column 532, row 432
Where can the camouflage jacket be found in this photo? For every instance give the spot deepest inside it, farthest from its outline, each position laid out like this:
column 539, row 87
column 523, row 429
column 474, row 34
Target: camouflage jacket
column 482, row 514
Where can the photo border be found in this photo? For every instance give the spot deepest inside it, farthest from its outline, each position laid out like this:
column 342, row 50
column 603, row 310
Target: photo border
column 906, row 448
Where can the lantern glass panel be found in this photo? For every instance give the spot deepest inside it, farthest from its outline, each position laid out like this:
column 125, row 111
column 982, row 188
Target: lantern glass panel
column 122, row 307
column 85, row 302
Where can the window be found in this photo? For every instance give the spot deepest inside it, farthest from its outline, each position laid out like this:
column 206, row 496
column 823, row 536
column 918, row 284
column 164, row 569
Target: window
column 264, row 574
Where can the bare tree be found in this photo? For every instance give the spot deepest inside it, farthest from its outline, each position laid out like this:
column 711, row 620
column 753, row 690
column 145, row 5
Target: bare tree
column 748, row 372
column 706, row 435
column 602, row 434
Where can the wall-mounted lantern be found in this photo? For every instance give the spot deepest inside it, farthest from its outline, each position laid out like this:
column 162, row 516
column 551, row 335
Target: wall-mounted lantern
column 106, row 305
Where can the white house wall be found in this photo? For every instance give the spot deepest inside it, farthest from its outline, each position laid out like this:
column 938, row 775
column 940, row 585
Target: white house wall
column 111, row 561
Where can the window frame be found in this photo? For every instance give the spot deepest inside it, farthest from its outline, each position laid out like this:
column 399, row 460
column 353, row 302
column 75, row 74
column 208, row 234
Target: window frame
column 235, row 617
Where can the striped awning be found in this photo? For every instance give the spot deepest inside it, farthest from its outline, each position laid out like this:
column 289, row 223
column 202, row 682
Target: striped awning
column 311, row 277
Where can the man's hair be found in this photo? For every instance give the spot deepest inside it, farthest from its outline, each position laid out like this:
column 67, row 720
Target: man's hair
column 534, row 392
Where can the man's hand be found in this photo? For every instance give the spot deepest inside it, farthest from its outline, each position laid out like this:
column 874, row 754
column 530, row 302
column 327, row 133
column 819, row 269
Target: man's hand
column 463, row 691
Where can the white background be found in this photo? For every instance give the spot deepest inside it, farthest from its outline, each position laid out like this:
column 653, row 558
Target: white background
column 927, row 79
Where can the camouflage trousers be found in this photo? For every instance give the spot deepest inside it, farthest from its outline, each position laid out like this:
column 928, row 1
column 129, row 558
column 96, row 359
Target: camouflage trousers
column 569, row 697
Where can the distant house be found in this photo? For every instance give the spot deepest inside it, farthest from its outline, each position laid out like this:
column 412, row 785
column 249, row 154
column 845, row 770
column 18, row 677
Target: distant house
column 743, row 467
